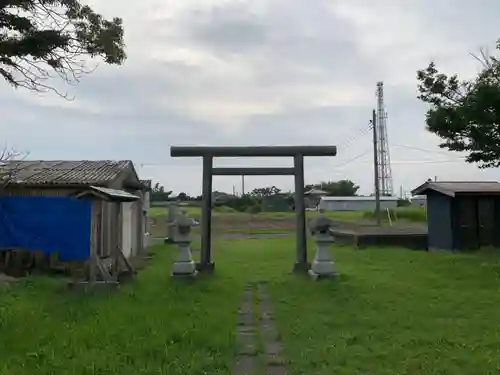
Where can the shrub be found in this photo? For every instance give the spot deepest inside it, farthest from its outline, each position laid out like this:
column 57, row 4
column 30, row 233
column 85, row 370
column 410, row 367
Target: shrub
column 224, row 209
column 255, row 209
column 241, row 204
column 403, row 202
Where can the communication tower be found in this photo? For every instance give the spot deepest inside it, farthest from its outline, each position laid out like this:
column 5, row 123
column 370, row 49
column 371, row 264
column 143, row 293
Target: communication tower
column 384, row 158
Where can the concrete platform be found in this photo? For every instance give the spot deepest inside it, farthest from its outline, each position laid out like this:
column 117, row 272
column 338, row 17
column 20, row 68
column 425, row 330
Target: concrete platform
column 411, row 237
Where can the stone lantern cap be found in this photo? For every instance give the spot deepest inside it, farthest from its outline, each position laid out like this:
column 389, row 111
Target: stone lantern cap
column 320, row 223
column 184, row 223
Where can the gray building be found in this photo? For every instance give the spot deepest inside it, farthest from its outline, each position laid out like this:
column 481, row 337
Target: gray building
column 462, row 214
column 356, row 203
column 418, row 201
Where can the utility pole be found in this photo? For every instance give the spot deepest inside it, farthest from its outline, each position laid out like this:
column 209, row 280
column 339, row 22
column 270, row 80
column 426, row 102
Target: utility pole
column 376, row 167
column 242, row 185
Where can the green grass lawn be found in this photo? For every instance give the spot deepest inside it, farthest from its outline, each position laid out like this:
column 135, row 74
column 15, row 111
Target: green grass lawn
column 391, row 312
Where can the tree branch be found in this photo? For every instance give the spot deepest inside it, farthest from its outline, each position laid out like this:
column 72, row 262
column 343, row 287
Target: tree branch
column 43, row 40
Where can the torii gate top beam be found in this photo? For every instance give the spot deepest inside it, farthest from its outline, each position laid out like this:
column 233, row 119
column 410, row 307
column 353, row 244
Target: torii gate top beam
column 252, row 151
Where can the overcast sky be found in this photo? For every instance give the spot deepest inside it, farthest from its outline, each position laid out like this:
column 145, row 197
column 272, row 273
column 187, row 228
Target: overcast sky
column 261, row 72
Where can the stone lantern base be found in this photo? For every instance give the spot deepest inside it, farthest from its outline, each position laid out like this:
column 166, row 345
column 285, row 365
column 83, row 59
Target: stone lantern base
column 184, row 265
column 323, row 266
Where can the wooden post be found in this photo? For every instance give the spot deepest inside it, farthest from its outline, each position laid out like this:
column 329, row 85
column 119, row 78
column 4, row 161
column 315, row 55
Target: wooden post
column 206, row 215
column 300, row 214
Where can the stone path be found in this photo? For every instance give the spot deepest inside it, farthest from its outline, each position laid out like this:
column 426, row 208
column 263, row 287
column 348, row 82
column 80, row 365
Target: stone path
column 259, row 346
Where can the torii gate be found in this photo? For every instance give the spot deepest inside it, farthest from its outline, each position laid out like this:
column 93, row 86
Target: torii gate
column 208, row 154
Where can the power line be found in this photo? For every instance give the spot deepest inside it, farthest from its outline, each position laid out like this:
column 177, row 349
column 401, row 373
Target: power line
column 353, row 159
column 348, row 141
column 428, row 161
column 423, row 150
column 360, row 133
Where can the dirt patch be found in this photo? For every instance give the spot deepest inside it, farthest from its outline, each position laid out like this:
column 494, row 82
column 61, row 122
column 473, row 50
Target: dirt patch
column 231, row 224
column 246, row 223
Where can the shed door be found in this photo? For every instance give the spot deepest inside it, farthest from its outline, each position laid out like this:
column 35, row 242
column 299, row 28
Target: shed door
column 486, row 221
column 467, row 223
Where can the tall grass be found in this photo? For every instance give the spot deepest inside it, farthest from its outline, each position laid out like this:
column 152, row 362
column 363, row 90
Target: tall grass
column 406, row 213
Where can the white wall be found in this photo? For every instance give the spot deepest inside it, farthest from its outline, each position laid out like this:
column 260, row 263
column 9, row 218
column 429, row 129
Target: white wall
column 127, row 228
column 356, row 205
column 145, row 220
column 419, row 202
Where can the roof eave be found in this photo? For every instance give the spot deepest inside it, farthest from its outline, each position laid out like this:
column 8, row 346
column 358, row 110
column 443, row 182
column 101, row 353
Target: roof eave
column 55, row 185
column 424, row 189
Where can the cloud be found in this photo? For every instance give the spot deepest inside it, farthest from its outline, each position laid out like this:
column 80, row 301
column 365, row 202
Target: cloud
column 220, row 72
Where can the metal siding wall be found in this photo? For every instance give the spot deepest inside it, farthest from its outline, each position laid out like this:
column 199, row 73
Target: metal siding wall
column 356, row 205
column 136, row 227
column 440, row 233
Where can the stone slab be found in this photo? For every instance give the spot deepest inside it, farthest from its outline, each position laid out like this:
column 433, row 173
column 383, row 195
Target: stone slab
column 246, row 319
column 245, row 365
column 273, row 347
column 276, row 370
column 246, row 329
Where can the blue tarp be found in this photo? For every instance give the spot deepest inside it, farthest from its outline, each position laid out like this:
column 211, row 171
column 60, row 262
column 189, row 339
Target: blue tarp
column 49, row 224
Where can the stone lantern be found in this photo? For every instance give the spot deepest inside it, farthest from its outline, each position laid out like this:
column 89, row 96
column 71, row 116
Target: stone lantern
column 322, row 265
column 184, row 265
column 171, row 224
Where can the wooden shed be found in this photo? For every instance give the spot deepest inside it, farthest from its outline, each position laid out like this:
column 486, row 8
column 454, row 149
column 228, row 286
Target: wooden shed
column 68, row 177
column 462, row 214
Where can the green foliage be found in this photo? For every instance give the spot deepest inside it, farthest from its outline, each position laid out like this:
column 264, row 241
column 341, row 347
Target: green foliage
column 342, row 188
column 265, row 192
column 240, row 204
column 158, row 193
column 465, row 114
column 224, row 209
column 255, row 209
column 41, row 37
column 405, row 213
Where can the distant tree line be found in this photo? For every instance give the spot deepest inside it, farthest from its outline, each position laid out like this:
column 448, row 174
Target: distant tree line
column 255, row 201
column 344, row 188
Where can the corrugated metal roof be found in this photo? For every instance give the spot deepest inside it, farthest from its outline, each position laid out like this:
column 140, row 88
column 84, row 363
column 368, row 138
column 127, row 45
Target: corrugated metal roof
column 146, row 183
column 453, row 187
column 63, row 172
column 357, row 199
column 114, row 193
column 419, row 197
column 315, row 192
